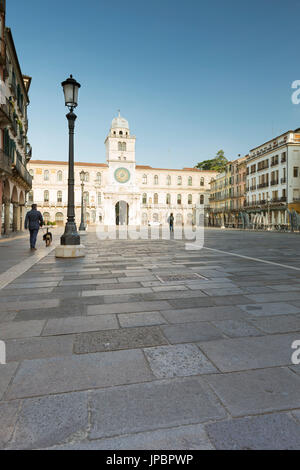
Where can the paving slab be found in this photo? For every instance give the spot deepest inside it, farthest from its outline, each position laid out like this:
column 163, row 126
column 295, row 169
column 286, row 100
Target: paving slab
column 28, row 304
column 140, row 319
column 191, row 437
column 125, row 338
column 236, row 328
column 34, row 348
column 78, row 372
column 63, row 310
column 236, row 354
column 269, row 309
column 7, row 372
column 202, row 314
column 47, row 421
column 152, row 406
column 127, row 307
column 191, row 332
column 21, row 329
column 178, row 360
column 8, row 419
column 268, row 432
column 119, row 291
column 62, row 326
column 277, row 324
column 257, row 391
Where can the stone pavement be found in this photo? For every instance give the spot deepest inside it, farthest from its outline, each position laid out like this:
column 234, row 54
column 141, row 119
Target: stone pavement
column 146, row 345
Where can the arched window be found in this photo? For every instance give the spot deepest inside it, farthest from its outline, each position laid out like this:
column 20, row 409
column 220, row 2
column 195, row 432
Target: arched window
column 202, row 181
column 179, row 180
column 178, row 220
column 155, row 198
column 168, row 180
column 46, row 175
column 168, row 199
column 189, row 219
column 178, row 198
column 31, row 172
column 122, row 146
column 87, row 176
column 155, row 179
column 99, row 199
column 190, row 199
column 119, row 146
column 201, row 199
column 120, row 132
column 144, row 218
column 190, row 181
column 155, row 217
column 59, row 218
column 46, row 217
column 30, row 196
column 144, row 179
column 59, row 196
column 98, row 178
column 86, row 197
column 144, row 198
column 46, row 196
column 59, row 175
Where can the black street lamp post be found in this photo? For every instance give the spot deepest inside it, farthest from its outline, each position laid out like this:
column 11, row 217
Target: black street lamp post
column 71, row 236
column 82, row 178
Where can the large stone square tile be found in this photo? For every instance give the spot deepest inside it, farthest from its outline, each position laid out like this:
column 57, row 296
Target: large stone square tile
column 202, row 314
column 237, row 328
column 21, row 329
column 140, row 319
column 267, row 432
column 46, row 421
column 8, row 419
column 257, row 391
column 124, row 338
column 35, row 348
column 191, row 332
column 191, row 437
column 250, row 352
column 278, row 324
column 62, row 326
column 269, row 309
column 7, row 372
column 127, row 307
column 179, row 360
column 78, row 372
column 151, row 406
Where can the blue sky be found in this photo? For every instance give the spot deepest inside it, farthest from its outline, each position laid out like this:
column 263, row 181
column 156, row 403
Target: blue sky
column 190, row 76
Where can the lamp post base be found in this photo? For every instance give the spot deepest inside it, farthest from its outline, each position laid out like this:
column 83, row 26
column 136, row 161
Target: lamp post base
column 70, row 251
column 70, row 236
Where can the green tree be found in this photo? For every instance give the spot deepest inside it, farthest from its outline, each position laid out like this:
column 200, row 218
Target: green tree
column 217, row 163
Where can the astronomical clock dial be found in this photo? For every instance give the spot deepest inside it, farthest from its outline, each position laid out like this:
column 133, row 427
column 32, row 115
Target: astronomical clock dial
column 122, row 175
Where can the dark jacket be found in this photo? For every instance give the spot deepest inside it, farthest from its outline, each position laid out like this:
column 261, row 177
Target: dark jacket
column 33, row 220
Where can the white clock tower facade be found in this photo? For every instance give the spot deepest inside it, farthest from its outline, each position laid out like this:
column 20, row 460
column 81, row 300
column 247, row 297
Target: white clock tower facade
column 122, row 196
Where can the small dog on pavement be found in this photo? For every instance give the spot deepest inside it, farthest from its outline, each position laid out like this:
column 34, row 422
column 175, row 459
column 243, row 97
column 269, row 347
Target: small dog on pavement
column 47, row 237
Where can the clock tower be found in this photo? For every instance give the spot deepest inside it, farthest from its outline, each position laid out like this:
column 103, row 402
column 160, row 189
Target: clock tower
column 121, row 184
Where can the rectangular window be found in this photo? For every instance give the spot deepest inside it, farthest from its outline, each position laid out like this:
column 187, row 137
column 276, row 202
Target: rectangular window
column 296, row 171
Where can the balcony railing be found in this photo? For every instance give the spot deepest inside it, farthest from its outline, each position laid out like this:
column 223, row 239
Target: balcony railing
column 262, row 185
column 6, row 114
column 22, row 172
column 274, row 182
column 5, row 162
column 283, row 180
column 274, row 163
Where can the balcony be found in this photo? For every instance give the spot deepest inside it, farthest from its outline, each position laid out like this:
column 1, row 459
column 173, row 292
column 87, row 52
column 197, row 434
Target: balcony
column 21, row 172
column 6, row 114
column 262, row 185
column 5, row 162
column 273, row 182
column 274, row 163
column 253, row 188
column 283, row 180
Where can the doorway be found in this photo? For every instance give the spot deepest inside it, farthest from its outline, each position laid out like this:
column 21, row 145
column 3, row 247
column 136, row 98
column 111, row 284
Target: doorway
column 122, row 213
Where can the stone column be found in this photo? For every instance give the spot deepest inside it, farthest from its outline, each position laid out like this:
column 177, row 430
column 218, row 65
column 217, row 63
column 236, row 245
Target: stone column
column 6, row 217
column 16, row 217
column 22, row 217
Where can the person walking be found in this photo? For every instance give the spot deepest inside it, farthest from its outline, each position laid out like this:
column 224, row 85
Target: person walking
column 171, row 222
column 33, row 222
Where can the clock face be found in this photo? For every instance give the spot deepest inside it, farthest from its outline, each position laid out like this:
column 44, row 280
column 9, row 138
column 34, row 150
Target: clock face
column 122, row 175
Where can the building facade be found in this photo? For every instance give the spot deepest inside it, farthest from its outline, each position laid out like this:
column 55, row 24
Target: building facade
column 228, row 194
column 273, row 180
column 15, row 150
column 120, row 191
